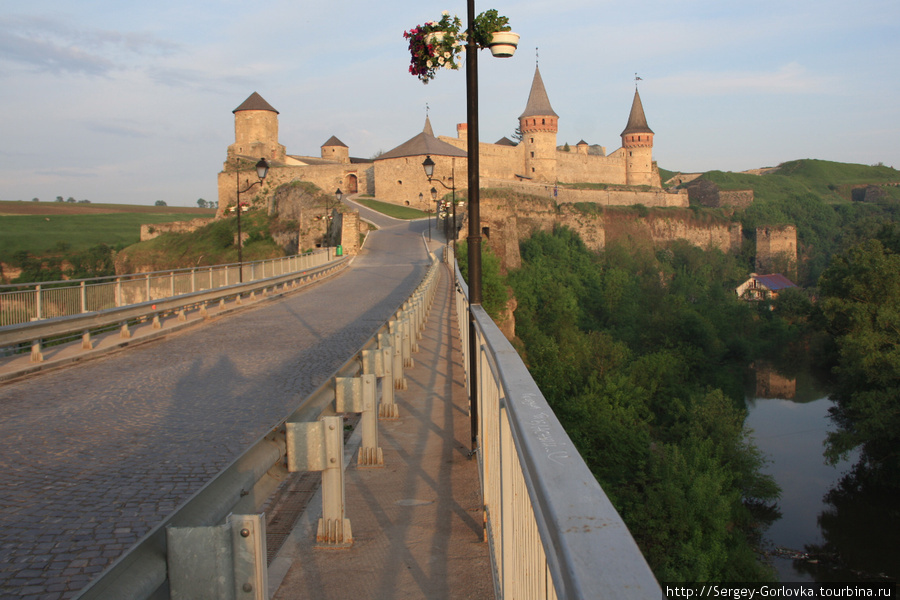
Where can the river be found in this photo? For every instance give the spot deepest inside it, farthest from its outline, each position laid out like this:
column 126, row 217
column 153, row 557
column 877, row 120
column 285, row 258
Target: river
column 839, row 534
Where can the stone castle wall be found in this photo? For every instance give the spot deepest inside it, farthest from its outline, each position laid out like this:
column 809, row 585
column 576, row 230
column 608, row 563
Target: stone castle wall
column 615, row 196
column 506, row 221
column 153, row 230
column 776, row 249
column 327, row 177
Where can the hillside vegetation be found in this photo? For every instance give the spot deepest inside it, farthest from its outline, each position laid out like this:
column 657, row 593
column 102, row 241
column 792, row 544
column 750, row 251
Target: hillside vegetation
column 817, row 197
column 42, row 229
column 214, row 244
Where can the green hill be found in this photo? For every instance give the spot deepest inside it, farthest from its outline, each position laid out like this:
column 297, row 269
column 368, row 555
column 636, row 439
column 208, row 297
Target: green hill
column 817, row 196
column 830, row 181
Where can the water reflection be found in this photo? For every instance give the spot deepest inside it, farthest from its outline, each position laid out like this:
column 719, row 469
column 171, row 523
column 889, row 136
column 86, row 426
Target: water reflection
column 842, row 532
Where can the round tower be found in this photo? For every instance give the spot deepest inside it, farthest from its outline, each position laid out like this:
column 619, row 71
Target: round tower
column 336, row 150
column 256, row 130
column 637, row 141
column 539, row 125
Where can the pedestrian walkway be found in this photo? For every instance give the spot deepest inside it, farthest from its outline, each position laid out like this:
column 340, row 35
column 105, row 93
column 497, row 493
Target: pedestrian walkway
column 417, row 523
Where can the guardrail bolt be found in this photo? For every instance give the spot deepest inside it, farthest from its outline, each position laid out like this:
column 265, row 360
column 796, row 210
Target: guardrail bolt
column 245, row 532
column 248, row 588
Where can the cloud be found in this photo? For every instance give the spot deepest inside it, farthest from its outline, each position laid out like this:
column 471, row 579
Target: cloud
column 49, row 44
column 791, row 78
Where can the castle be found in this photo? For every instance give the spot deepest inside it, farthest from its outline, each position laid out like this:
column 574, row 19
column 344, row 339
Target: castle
column 535, row 165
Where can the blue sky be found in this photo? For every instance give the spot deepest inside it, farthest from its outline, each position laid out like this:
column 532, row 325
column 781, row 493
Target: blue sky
column 124, row 102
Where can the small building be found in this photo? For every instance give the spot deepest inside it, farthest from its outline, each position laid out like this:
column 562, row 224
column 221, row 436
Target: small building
column 763, row 287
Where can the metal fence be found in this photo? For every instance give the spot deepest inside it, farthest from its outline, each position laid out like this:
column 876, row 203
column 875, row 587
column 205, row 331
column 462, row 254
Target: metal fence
column 47, row 300
column 552, row 531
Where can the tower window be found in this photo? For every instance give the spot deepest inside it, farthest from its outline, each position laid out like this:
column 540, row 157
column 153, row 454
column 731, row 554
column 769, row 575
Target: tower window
column 532, row 155
column 532, row 140
column 543, row 121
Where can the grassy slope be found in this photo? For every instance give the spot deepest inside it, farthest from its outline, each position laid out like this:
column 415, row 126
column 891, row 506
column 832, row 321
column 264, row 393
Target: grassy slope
column 38, row 227
column 830, row 181
column 392, row 210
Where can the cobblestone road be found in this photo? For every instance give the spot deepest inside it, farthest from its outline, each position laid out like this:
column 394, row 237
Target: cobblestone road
column 93, row 456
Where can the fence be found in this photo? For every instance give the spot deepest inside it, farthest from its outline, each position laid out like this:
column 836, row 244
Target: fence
column 52, row 299
column 552, row 531
column 213, row 545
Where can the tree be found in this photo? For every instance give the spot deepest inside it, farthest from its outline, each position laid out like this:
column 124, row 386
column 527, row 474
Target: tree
column 861, row 303
column 160, row 203
column 35, row 199
column 202, row 203
column 70, row 200
column 59, row 198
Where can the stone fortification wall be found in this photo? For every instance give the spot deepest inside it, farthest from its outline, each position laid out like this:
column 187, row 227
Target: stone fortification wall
column 614, row 196
column 495, row 161
column 776, row 249
column 327, row 177
column 588, row 168
column 736, row 198
column 153, row 230
column 506, row 221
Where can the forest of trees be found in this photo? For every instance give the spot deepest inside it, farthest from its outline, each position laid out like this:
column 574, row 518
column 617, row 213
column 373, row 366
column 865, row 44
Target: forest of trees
column 642, row 352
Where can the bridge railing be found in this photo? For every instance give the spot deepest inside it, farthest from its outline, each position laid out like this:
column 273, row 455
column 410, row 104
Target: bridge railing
column 213, row 545
column 553, row 533
column 143, row 297
column 51, row 299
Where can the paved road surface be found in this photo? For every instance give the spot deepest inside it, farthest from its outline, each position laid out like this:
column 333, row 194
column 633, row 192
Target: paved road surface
column 94, row 455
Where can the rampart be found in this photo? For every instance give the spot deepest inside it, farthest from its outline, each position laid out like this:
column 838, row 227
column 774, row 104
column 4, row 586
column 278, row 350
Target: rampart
column 506, row 221
column 153, row 230
column 610, row 196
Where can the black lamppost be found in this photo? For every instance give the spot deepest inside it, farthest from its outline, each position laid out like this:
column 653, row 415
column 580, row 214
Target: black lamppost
column 428, row 165
column 262, row 169
column 338, row 194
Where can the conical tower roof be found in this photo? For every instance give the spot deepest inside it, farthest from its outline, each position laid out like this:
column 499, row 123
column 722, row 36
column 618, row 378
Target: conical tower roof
column 538, row 102
column 423, row 144
column 255, row 102
column 637, row 122
column 333, row 141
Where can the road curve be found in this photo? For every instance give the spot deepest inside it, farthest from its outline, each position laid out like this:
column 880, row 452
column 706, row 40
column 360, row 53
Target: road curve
column 94, row 455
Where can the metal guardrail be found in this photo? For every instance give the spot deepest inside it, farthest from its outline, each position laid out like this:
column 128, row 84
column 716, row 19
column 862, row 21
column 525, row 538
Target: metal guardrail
column 552, row 531
column 50, row 299
column 220, row 519
column 292, row 270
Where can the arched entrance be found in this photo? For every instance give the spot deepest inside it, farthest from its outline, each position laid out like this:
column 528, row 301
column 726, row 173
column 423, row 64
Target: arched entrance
column 352, row 184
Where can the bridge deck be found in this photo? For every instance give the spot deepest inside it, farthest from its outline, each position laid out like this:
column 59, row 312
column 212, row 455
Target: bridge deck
column 93, row 456
column 417, row 523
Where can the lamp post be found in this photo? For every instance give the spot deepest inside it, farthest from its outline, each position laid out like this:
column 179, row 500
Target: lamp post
column 428, row 166
column 262, row 169
column 338, row 194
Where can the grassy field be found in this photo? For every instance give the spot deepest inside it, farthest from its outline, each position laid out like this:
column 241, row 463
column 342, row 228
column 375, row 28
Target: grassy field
column 392, row 210
column 41, row 227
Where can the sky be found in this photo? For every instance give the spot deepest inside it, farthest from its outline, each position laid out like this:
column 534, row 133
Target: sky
column 125, row 102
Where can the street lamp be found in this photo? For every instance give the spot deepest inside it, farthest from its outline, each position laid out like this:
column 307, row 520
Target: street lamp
column 338, row 194
column 428, row 166
column 262, row 169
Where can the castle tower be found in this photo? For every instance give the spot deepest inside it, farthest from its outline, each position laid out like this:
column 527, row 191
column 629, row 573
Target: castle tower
column 336, row 150
column 637, row 141
column 539, row 125
column 256, row 131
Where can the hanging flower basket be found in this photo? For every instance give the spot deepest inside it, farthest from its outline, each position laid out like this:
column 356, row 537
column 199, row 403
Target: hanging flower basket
column 439, row 44
column 434, row 45
column 503, row 43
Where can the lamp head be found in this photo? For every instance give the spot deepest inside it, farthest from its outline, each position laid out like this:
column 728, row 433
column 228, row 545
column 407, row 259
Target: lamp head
column 338, row 194
column 428, row 165
column 434, row 194
column 262, row 168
